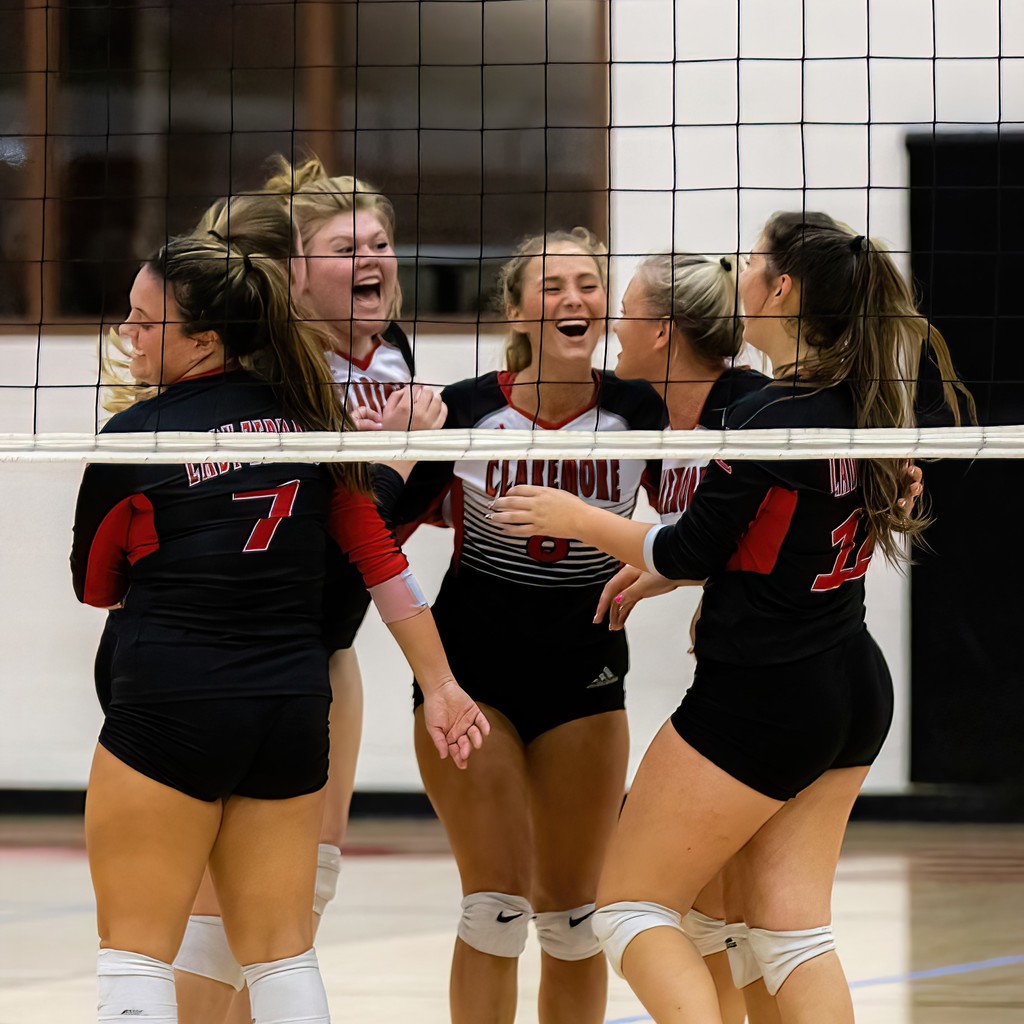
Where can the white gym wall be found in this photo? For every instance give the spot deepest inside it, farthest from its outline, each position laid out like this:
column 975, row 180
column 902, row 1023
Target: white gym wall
column 50, row 718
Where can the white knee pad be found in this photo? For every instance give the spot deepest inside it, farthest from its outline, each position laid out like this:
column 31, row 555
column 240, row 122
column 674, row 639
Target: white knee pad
column 495, row 923
column 328, row 867
column 205, row 951
column 288, row 991
column 618, row 924
column 781, row 953
column 134, row 987
column 708, row 934
column 743, row 964
column 568, row 934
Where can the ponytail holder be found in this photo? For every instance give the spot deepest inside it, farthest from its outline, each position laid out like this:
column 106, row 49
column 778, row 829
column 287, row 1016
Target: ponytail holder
column 246, row 262
column 858, row 244
column 726, row 264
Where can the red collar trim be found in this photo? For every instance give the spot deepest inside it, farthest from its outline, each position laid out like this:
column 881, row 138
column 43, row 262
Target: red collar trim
column 506, row 380
column 200, row 376
column 362, row 364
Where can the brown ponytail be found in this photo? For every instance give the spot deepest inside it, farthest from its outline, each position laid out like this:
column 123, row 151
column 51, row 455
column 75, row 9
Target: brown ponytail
column 244, row 298
column 859, row 324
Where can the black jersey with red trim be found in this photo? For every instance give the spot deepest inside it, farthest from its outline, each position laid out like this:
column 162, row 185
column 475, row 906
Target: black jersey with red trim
column 783, row 545
column 540, row 587
column 219, row 567
column 679, row 478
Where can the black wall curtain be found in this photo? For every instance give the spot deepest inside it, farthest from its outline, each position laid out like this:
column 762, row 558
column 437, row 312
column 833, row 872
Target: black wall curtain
column 967, row 613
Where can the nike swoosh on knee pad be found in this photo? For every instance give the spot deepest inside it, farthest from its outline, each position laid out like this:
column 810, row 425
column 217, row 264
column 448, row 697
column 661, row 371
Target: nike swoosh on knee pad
column 574, row 921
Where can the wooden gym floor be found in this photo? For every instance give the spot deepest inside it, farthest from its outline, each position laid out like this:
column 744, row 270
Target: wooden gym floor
column 929, row 920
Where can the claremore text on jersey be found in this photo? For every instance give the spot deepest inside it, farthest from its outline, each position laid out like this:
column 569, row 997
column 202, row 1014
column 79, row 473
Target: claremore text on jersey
column 588, row 478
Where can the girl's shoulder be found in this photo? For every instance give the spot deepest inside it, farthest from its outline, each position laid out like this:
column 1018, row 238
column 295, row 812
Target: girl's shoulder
column 635, row 400
column 793, row 403
column 734, row 385
column 471, row 399
column 398, row 339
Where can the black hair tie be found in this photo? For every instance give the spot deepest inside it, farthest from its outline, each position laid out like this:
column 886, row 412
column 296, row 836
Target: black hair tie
column 726, row 264
column 246, row 262
column 858, row 244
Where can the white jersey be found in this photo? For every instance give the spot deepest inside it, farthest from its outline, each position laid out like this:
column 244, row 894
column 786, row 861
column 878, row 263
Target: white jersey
column 484, row 552
column 368, row 382
column 517, row 612
column 679, row 479
column 611, row 484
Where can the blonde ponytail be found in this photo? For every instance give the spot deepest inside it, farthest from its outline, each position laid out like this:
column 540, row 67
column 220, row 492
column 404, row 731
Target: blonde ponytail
column 119, row 391
column 699, row 295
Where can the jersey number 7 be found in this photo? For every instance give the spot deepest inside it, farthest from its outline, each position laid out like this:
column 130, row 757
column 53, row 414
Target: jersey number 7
column 282, row 501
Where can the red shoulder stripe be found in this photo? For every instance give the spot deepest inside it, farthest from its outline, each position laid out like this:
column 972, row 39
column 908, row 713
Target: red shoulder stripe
column 760, row 545
column 126, row 534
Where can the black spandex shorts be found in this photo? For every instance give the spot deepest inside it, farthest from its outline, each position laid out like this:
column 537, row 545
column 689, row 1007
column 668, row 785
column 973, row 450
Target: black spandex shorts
column 268, row 748
column 345, row 601
column 777, row 728
column 544, row 689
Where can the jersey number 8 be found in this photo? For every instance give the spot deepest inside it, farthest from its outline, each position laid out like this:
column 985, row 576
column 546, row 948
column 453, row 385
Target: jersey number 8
column 547, row 549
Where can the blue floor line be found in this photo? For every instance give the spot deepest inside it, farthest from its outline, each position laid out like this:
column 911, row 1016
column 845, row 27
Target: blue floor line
column 897, row 979
column 940, row 972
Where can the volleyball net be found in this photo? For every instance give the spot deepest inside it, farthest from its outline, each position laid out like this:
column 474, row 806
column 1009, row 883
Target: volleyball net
column 663, row 125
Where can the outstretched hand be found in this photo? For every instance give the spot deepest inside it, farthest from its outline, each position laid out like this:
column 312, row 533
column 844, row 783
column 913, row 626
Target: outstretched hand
column 527, row 511
column 455, row 724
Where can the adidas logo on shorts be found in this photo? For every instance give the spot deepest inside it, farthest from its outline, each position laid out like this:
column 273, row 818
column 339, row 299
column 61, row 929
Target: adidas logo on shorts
column 606, row 678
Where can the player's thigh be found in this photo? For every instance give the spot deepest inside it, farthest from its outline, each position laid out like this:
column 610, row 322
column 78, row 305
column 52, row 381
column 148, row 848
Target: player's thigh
column 785, row 873
column 485, row 809
column 264, row 868
column 711, row 899
column 206, row 902
column 732, row 890
column 346, row 733
column 683, row 819
column 577, row 775
column 148, row 845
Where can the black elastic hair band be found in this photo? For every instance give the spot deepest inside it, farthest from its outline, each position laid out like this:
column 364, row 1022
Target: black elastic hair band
column 858, row 244
column 726, row 263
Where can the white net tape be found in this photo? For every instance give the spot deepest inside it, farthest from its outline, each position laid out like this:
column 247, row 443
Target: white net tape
column 453, row 445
